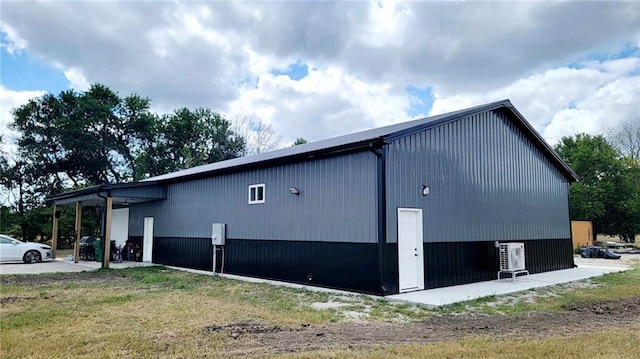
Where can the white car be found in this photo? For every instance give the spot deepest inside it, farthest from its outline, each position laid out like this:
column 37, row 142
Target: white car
column 13, row 250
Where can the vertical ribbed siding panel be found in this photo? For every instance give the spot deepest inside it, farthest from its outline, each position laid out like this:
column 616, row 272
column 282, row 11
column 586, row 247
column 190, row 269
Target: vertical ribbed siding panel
column 337, row 203
column 331, row 264
column 195, row 253
column 487, row 182
column 157, row 191
column 455, row 263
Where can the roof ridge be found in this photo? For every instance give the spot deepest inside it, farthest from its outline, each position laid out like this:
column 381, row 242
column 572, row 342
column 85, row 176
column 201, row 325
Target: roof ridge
column 329, row 143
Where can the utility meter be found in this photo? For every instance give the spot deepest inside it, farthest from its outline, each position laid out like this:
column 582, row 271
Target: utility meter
column 218, row 234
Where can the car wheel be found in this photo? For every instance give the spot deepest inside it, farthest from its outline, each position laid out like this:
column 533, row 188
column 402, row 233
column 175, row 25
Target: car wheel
column 32, row 257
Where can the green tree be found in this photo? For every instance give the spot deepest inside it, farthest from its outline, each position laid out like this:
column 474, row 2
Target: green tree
column 605, row 193
column 78, row 139
column 299, row 141
column 9, row 222
column 188, row 138
column 625, row 137
column 631, row 205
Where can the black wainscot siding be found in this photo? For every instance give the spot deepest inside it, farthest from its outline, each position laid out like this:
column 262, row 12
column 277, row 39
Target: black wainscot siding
column 390, row 268
column 195, row 253
column 352, row 266
column 455, row 263
column 348, row 266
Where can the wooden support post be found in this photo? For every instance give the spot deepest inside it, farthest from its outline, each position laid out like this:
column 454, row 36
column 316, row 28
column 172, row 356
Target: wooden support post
column 54, row 232
column 78, row 228
column 107, row 234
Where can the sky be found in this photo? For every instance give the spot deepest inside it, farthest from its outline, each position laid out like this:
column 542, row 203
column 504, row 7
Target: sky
column 322, row 69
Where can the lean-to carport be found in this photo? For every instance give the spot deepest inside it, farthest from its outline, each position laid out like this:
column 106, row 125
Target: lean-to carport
column 108, row 197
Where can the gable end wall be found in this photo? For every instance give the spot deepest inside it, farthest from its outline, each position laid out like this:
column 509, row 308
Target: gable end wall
column 487, row 181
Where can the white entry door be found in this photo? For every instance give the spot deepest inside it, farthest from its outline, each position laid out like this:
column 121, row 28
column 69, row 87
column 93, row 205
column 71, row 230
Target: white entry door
column 147, row 245
column 410, row 265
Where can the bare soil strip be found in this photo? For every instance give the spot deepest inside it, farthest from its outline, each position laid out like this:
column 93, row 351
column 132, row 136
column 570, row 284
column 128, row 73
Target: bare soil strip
column 585, row 318
column 69, row 277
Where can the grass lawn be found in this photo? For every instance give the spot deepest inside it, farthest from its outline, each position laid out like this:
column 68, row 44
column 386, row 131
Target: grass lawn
column 155, row 312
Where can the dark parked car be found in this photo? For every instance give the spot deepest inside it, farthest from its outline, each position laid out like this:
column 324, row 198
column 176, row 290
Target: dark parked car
column 597, row 252
column 86, row 248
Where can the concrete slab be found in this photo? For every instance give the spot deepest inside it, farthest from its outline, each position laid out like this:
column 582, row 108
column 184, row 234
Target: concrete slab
column 449, row 295
column 61, row 265
column 460, row 293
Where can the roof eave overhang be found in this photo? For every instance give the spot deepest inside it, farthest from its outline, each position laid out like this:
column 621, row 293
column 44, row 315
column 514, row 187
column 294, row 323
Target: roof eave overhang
column 103, row 190
column 325, row 152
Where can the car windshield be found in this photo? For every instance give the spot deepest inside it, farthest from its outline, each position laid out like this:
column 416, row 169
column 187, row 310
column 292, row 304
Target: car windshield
column 5, row 237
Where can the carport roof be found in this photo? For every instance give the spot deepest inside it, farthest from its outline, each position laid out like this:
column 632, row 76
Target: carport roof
column 122, row 194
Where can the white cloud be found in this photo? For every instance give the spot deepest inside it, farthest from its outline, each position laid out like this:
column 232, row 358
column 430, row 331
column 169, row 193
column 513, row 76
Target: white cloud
column 77, row 80
column 9, row 100
column 220, row 55
column 563, row 101
column 385, row 26
column 14, row 43
column 327, row 102
column 598, row 112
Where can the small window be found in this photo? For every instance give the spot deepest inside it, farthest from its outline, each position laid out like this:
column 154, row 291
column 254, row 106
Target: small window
column 256, row 193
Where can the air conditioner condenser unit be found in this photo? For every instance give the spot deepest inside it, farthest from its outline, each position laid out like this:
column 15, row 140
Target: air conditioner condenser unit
column 512, row 256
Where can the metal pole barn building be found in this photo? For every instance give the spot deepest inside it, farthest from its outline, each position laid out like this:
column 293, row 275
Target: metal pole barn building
column 415, row 205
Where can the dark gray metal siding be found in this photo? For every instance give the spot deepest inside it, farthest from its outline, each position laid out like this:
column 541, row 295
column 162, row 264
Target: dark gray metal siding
column 90, row 196
column 487, row 181
column 151, row 192
column 337, row 203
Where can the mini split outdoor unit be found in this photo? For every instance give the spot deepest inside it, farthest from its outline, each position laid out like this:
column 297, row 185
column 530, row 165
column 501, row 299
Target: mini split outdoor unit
column 511, row 256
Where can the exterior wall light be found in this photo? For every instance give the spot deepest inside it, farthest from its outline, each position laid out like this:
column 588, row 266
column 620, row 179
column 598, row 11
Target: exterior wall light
column 425, row 190
column 294, row 190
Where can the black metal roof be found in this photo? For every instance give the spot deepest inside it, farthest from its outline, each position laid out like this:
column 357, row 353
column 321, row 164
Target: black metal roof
column 363, row 139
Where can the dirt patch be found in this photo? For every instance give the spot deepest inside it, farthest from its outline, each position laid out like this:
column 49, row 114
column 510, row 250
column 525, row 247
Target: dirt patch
column 237, row 329
column 613, row 307
column 577, row 319
column 72, row 277
column 11, row 300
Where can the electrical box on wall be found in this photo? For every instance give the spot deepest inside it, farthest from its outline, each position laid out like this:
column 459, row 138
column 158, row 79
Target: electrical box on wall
column 218, row 234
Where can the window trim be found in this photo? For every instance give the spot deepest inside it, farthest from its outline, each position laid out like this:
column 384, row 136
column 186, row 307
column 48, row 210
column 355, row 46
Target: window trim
column 256, row 186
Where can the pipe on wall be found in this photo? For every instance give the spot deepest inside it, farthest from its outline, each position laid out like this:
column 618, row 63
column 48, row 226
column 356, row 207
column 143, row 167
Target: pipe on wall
column 379, row 151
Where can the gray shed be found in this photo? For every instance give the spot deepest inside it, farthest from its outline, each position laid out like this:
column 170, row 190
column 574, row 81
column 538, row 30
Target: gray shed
column 405, row 207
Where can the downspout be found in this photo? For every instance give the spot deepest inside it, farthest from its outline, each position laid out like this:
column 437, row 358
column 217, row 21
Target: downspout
column 573, row 263
column 380, row 152
column 102, row 214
